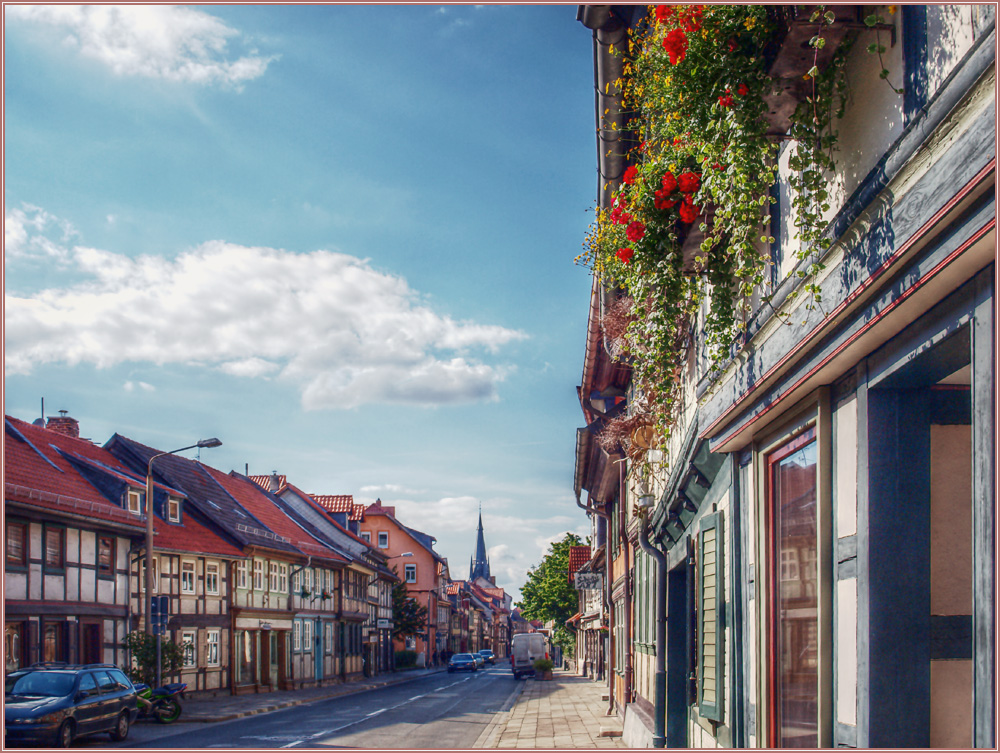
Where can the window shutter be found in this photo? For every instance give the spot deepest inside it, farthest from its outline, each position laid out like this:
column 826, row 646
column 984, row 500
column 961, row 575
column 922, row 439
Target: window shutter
column 711, row 601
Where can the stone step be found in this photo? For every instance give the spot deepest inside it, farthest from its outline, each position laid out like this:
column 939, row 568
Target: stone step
column 609, row 732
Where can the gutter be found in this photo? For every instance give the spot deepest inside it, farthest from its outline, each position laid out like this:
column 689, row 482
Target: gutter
column 660, row 675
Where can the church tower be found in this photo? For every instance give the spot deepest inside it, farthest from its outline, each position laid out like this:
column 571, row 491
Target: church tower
column 480, row 565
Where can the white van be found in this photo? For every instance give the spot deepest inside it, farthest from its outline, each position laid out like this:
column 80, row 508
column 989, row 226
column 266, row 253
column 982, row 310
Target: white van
column 524, row 649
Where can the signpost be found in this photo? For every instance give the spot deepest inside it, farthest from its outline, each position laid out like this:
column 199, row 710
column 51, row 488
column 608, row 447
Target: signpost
column 159, row 614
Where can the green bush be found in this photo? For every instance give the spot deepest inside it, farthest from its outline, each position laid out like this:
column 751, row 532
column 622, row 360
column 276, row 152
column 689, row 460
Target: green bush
column 543, row 665
column 406, row 659
column 143, row 650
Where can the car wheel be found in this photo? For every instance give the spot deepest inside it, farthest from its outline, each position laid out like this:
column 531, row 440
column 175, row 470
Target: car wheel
column 120, row 732
column 64, row 738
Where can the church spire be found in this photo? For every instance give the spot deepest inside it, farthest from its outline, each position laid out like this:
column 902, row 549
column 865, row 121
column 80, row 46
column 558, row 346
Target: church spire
column 480, row 565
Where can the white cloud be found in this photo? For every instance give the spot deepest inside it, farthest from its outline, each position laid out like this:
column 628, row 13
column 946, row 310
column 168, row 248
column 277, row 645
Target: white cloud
column 30, row 231
column 344, row 333
column 131, row 386
column 176, row 43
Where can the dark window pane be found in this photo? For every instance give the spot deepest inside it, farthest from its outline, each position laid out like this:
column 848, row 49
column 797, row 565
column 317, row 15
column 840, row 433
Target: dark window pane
column 794, row 501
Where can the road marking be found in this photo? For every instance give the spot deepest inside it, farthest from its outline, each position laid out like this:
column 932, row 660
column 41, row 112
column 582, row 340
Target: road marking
column 417, row 697
column 375, row 713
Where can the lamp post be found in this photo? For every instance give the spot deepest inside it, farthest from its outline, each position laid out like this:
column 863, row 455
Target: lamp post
column 213, row 442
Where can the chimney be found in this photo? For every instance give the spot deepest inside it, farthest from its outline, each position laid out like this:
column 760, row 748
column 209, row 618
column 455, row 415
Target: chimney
column 64, row 424
column 274, row 483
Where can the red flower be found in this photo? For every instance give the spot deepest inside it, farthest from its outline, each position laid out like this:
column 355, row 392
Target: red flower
column 662, row 200
column 635, row 231
column 727, row 99
column 625, row 255
column 619, row 216
column 688, row 182
column 676, row 44
column 742, row 90
column 664, row 12
column 732, row 45
column 669, row 182
column 689, row 211
column 630, row 174
column 692, row 19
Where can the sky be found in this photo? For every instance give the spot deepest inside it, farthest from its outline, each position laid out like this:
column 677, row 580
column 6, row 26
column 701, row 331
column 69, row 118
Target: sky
column 338, row 238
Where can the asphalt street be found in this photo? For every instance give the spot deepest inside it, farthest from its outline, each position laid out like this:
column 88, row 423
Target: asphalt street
column 438, row 711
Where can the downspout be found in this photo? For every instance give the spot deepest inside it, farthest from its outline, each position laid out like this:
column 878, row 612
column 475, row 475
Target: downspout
column 660, row 676
column 623, row 535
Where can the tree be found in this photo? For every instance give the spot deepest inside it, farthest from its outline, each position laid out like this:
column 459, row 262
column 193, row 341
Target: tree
column 548, row 594
column 143, row 649
column 408, row 617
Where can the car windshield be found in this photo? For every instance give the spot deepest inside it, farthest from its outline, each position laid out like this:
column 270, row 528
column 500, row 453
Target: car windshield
column 461, row 657
column 486, row 652
column 40, row 684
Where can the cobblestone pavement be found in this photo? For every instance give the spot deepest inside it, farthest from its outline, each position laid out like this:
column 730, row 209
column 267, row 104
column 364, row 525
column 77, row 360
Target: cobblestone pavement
column 565, row 712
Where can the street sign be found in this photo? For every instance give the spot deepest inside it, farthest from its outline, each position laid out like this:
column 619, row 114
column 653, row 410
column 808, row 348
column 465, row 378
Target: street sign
column 587, row 581
column 159, row 607
column 383, row 624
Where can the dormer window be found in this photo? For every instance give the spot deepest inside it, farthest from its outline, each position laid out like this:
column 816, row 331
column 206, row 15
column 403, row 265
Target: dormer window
column 174, row 510
column 134, row 502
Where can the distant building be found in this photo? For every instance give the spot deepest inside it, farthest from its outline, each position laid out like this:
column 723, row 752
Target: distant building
column 479, row 565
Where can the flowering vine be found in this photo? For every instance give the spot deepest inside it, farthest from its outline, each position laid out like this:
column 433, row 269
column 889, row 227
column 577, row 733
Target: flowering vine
column 702, row 170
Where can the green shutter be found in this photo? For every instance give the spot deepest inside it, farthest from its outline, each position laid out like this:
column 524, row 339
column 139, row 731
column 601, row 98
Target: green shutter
column 711, row 596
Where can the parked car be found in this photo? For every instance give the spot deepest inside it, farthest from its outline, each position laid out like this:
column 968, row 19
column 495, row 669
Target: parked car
column 488, row 656
column 480, row 662
column 459, row 662
column 55, row 703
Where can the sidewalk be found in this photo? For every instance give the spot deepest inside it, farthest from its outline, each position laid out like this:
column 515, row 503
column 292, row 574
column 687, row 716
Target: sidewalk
column 225, row 707
column 566, row 712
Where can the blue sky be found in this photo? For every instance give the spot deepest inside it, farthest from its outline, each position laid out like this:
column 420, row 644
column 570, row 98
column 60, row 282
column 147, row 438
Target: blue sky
column 339, row 238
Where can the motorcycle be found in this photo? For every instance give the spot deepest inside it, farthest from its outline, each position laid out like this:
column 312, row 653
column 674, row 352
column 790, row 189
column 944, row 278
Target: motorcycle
column 162, row 704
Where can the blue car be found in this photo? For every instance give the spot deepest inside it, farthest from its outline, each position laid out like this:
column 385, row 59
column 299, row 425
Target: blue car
column 52, row 704
column 459, row 662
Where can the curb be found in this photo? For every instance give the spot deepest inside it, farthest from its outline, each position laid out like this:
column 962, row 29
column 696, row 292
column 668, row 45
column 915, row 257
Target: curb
column 210, row 717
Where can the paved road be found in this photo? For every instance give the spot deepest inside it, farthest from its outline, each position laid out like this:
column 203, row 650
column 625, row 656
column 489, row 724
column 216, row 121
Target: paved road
column 439, row 711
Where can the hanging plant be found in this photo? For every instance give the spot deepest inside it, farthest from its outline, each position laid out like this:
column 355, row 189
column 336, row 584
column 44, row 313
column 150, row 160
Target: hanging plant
column 684, row 238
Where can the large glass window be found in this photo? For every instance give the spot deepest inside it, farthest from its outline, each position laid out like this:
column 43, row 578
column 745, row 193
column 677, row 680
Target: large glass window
column 794, row 612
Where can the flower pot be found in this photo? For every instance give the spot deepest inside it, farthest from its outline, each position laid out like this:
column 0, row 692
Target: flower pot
column 544, row 675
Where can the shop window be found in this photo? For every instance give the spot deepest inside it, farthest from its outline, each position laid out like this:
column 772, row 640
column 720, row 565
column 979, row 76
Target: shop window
column 187, row 578
column 106, row 556
column 13, row 641
column 55, row 549
column 793, row 609
column 17, row 545
column 711, row 649
column 212, row 578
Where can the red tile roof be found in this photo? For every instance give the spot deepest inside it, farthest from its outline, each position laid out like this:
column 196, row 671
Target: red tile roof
column 258, row 504
column 340, row 503
column 264, row 482
column 311, row 499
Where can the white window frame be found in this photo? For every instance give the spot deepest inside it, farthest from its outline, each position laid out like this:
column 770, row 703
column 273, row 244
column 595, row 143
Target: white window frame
column 134, row 502
column 383, row 539
column 241, row 574
column 188, row 584
column 367, row 536
column 272, row 576
column 297, row 635
column 213, row 639
column 189, row 642
column 258, row 575
column 283, row 578
column 307, row 636
column 156, row 575
column 173, row 510
column 309, row 579
column 328, row 637
column 410, row 572
column 212, row 578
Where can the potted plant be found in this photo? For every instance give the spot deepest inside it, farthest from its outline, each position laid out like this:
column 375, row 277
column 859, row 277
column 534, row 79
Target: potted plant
column 304, row 593
column 543, row 669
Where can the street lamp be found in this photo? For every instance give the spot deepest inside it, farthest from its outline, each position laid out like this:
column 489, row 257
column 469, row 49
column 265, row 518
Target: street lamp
column 213, row 442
